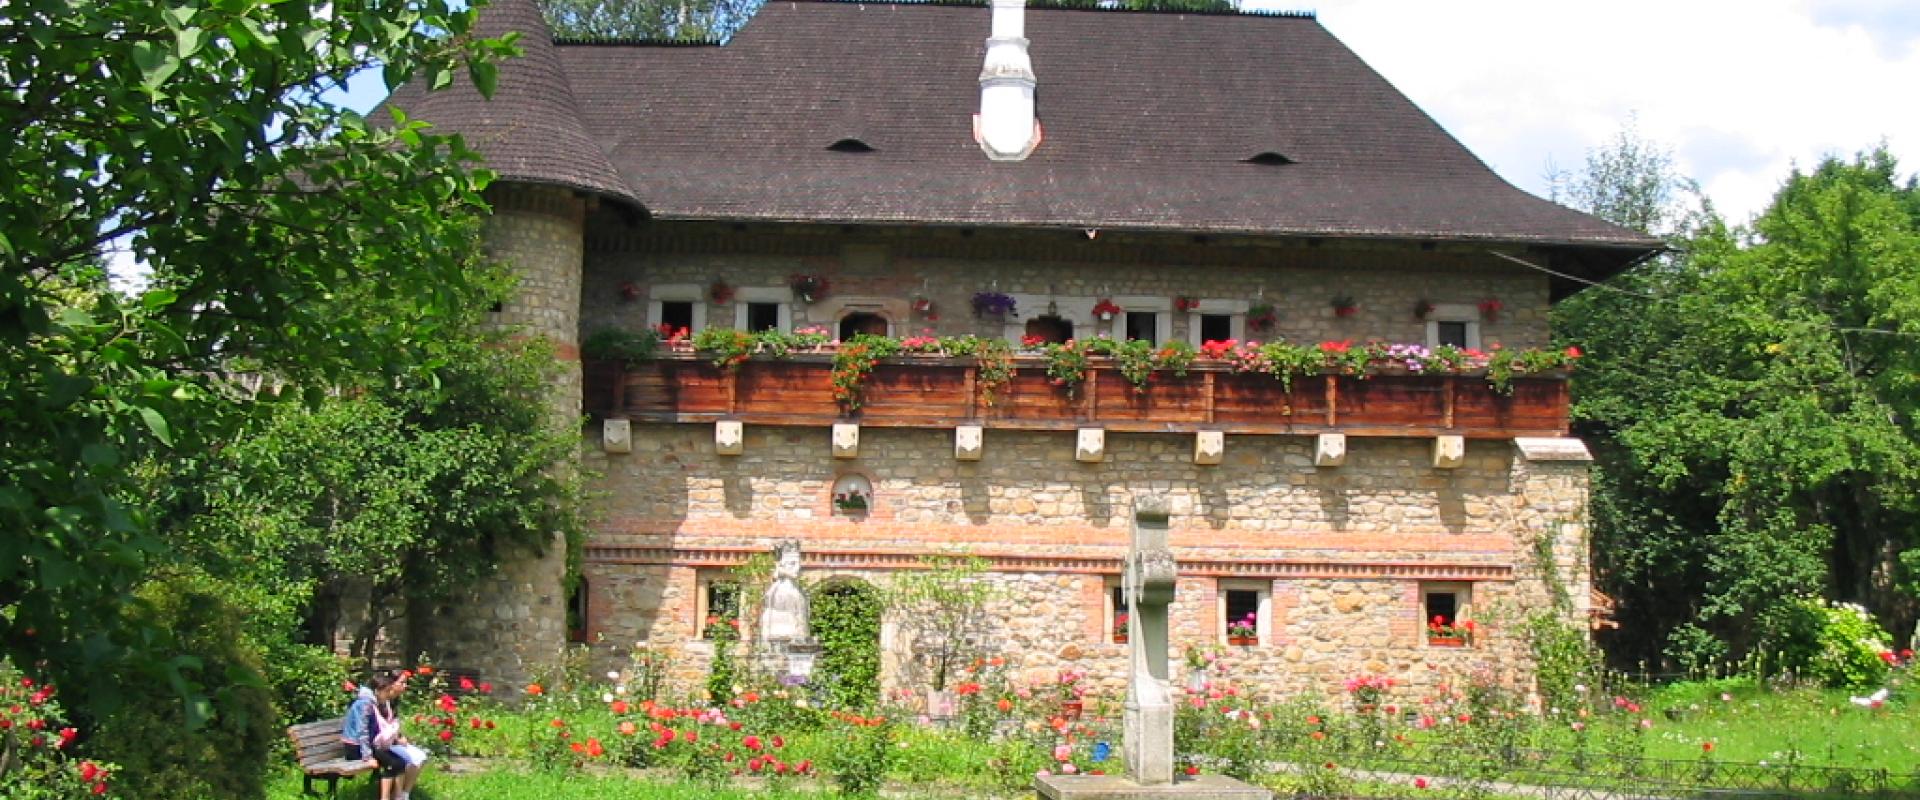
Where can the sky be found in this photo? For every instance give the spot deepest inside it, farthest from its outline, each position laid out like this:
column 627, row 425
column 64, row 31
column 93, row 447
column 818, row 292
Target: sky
column 1739, row 91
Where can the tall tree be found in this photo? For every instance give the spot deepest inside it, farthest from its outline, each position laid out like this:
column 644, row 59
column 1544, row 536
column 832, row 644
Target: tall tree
column 282, row 234
column 1753, row 402
column 405, row 493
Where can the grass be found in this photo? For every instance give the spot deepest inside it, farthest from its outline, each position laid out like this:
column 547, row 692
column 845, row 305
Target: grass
column 1745, row 722
column 511, row 784
column 1749, row 723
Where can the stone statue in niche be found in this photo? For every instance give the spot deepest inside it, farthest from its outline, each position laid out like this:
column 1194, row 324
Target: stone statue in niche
column 783, row 613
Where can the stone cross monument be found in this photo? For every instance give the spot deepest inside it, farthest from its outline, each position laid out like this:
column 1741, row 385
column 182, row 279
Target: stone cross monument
column 1148, row 586
column 1147, row 744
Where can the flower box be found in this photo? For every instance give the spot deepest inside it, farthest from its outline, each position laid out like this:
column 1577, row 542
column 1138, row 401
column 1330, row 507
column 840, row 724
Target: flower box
column 1243, row 641
column 1446, row 641
column 679, row 386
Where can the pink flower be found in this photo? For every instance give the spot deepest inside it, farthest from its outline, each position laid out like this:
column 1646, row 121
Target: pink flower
column 1062, row 752
column 1419, row 783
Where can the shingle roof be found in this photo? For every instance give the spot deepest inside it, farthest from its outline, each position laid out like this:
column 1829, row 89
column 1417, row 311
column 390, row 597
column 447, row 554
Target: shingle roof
column 530, row 131
column 1149, row 119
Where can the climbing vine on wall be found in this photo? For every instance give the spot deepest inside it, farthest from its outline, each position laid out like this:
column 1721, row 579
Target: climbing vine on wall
column 846, row 620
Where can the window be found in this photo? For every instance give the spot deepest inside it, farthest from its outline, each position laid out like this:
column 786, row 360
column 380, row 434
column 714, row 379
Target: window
column 1117, row 611
column 1244, row 608
column 1143, row 325
column 676, row 314
column 860, row 322
column 763, row 317
column 1216, row 320
column 1216, row 327
column 717, row 606
column 1050, row 328
column 762, row 308
column 1454, row 324
column 676, row 306
column 1444, row 608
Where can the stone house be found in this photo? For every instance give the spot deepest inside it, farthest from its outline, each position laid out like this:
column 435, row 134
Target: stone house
column 1209, row 176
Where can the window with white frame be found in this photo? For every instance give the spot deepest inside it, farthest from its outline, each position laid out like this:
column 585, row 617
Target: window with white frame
column 1217, row 320
column 1455, row 324
column 763, row 308
column 717, row 603
column 1142, row 317
column 1245, row 611
column 1117, row 611
column 1446, row 611
column 673, row 306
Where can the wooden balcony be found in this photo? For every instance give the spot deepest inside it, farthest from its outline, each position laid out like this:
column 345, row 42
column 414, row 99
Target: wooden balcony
column 931, row 392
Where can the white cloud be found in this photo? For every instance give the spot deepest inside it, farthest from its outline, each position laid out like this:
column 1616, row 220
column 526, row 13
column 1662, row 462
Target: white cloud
column 1741, row 91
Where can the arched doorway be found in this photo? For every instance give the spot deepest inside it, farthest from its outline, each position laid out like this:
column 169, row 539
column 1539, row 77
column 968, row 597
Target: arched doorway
column 846, row 620
column 1050, row 328
column 862, row 322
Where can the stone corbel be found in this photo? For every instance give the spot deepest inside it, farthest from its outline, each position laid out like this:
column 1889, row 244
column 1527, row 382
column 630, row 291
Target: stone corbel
column 616, row 436
column 969, row 442
column 1330, row 450
column 729, row 437
column 1209, row 447
column 1449, row 451
column 1091, row 445
column 846, row 440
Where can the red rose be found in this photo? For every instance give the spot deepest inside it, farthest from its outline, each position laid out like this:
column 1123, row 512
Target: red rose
column 446, row 734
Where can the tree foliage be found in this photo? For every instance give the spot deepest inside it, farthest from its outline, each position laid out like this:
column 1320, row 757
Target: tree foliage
column 282, row 235
column 1753, row 401
column 413, row 490
column 648, row 19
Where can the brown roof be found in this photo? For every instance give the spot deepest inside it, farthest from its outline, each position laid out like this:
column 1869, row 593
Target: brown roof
column 530, row 131
column 1149, row 119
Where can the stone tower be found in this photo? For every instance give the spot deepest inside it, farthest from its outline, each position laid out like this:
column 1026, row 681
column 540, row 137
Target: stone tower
column 551, row 175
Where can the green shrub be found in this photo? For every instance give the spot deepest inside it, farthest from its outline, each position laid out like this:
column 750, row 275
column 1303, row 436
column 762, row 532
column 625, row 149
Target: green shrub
column 1835, row 644
column 215, row 743
column 861, row 764
column 308, row 681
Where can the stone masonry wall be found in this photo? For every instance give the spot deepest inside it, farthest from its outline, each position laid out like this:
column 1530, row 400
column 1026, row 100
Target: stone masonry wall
column 515, row 623
column 1341, row 552
column 869, row 267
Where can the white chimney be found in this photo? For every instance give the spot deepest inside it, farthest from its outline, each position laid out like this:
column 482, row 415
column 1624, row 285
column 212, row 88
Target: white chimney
column 1005, row 126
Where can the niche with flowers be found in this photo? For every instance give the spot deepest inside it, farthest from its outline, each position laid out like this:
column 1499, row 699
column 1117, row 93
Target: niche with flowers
column 852, row 496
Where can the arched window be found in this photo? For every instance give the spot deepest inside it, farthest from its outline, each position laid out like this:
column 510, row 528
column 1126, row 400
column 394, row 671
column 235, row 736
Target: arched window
column 862, row 322
column 1050, row 328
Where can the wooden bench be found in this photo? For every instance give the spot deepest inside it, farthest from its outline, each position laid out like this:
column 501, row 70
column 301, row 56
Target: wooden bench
column 317, row 746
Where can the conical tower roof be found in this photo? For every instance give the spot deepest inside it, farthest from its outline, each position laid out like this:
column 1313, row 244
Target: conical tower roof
column 530, row 130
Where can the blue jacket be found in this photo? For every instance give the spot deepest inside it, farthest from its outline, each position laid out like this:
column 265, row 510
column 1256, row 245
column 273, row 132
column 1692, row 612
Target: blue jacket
column 359, row 726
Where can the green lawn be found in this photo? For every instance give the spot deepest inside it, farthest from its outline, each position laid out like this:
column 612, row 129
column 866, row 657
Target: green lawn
column 1752, row 725
column 1744, row 722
